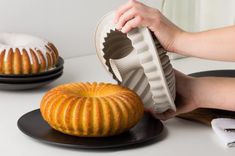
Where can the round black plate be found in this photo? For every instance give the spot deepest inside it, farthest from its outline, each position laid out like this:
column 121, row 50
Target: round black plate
column 58, row 67
column 27, row 86
column 30, row 79
column 33, row 125
column 216, row 73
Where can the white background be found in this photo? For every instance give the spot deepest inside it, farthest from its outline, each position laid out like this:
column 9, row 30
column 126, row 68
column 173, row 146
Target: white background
column 69, row 24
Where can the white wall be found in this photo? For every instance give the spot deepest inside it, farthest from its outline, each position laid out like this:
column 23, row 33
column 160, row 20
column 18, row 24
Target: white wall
column 69, row 24
column 197, row 15
column 215, row 13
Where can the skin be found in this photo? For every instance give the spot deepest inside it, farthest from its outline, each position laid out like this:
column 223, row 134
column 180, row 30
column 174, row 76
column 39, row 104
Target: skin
column 216, row 44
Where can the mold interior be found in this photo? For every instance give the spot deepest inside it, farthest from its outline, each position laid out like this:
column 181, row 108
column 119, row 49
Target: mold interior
column 116, row 46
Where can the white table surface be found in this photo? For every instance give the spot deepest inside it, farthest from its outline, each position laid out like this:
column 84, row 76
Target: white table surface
column 183, row 137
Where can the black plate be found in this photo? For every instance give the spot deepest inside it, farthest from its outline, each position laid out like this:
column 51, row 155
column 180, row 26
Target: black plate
column 216, row 73
column 30, row 79
column 33, row 125
column 58, row 67
column 27, row 86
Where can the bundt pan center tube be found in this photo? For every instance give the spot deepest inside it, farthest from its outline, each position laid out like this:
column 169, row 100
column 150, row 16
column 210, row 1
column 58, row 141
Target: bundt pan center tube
column 138, row 61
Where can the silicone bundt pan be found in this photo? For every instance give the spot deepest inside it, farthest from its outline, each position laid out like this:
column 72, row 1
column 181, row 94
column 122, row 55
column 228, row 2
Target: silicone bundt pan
column 138, row 61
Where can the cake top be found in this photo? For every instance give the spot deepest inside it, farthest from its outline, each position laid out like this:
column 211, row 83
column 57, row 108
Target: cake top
column 21, row 41
column 24, row 42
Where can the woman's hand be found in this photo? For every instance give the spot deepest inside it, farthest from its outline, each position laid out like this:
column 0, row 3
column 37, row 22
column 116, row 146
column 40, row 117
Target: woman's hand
column 186, row 99
column 203, row 92
column 135, row 14
column 216, row 44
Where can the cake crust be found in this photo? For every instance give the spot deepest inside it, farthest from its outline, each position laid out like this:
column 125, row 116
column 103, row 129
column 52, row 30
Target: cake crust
column 91, row 109
column 26, row 54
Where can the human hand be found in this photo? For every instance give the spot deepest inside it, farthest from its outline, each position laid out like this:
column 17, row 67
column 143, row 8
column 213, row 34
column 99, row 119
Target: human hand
column 186, row 100
column 135, row 14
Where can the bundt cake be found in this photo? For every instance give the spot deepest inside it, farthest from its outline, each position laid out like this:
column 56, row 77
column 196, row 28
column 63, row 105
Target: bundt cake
column 91, row 109
column 26, row 54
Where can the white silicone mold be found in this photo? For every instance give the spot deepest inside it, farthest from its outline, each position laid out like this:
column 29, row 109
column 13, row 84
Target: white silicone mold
column 138, row 61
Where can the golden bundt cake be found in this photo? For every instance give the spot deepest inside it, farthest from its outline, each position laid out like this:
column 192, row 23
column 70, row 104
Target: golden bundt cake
column 26, row 54
column 91, row 109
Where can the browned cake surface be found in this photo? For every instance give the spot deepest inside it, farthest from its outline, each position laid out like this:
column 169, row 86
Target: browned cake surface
column 17, row 61
column 91, row 109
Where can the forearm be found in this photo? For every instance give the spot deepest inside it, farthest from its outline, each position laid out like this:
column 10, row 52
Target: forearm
column 217, row 44
column 214, row 92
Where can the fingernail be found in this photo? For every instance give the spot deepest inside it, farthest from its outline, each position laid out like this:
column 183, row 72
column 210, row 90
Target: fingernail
column 123, row 31
column 118, row 27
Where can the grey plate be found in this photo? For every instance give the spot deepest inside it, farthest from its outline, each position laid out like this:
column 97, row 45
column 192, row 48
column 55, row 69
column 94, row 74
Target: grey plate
column 216, row 73
column 27, row 86
column 30, row 79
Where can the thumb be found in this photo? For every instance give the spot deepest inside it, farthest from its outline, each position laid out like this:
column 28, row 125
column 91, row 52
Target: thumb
column 165, row 115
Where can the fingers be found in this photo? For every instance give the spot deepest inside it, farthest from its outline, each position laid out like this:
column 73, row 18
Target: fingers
column 131, row 24
column 128, row 15
column 165, row 115
column 134, row 14
column 123, row 9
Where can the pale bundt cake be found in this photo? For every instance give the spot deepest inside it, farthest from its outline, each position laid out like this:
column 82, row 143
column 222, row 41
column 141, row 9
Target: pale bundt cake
column 91, row 109
column 26, row 54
